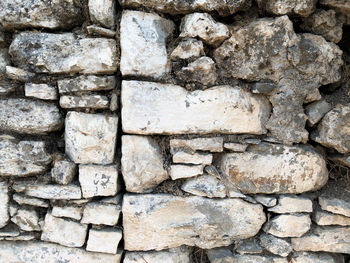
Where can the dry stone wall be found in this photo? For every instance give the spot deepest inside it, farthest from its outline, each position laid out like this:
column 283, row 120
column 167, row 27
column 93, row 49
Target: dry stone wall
column 174, row 131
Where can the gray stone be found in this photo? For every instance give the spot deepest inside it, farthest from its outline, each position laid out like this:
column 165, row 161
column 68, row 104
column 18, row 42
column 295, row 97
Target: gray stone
column 7, row 86
column 340, row 159
column 4, row 204
column 91, row 138
column 64, row 53
column 342, row 7
column 275, row 245
column 10, row 230
column 248, row 246
column 19, row 14
column 103, row 12
column 142, row 163
column 335, row 205
column 220, row 255
column 27, row 200
column 149, row 108
column 188, row 48
column 292, row 7
column 323, row 218
column 143, row 44
column 53, row 191
column 113, row 105
column 316, row 110
column 68, row 211
column 292, row 204
column 28, row 116
column 40, row 91
column 294, row 225
column 307, row 257
column 18, row 74
column 205, row 185
column 63, row 171
column 235, row 147
column 26, row 219
column 265, row 200
column 4, row 59
column 258, row 259
column 180, row 171
column 192, row 158
column 86, row 83
column 173, row 255
column 159, row 221
column 211, row 144
column 104, row 240
column 93, row 101
column 100, row 31
column 101, row 214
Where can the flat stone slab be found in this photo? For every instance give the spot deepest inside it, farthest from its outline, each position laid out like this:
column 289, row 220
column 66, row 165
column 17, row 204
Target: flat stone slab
column 173, row 255
column 153, row 108
column 53, row 191
column 4, row 204
column 160, row 221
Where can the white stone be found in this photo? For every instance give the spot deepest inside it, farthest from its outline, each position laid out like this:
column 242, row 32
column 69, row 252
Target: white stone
column 104, row 240
column 26, row 219
column 103, row 12
column 235, row 147
column 143, row 44
column 152, row 108
column 180, row 171
column 192, row 158
column 205, row 185
column 86, row 83
column 41, row 91
column 18, row 74
column 27, row 200
column 275, row 245
column 91, row 138
column 69, row 211
column 4, row 204
column 22, row 237
column 100, row 31
column 93, row 101
column 211, row 144
column 335, row 205
column 294, row 225
column 323, row 218
column 202, row 25
column 292, row 204
column 53, row 191
column 142, row 163
column 63, row 231
column 98, row 180
column 173, row 255
column 63, row 171
column 188, row 49
column 101, row 214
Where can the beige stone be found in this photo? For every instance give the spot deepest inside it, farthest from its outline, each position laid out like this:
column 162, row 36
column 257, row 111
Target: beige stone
column 180, row 171
column 211, row 144
column 292, row 204
column 192, row 158
column 27, row 200
column 53, row 191
column 205, row 185
column 68, row 211
column 26, row 219
column 104, row 240
column 294, row 225
column 98, row 213
column 235, row 147
column 103, row 12
column 41, row 91
column 335, row 205
column 323, row 218
column 188, row 48
column 307, row 257
column 173, row 255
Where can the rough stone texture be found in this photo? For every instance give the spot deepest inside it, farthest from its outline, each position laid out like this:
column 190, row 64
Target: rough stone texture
column 258, row 259
column 86, row 83
column 179, row 171
column 341, row 6
column 292, row 204
column 173, row 255
column 63, row 231
column 275, row 245
column 40, row 252
column 235, row 147
column 205, row 185
column 18, row 74
column 100, row 31
column 63, row 53
column 28, row 116
column 265, row 200
column 152, row 108
column 68, row 211
column 211, row 144
column 188, row 48
column 63, row 171
column 333, row 130
column 27, row 200
column 22, row 158
column 316, row 110
column 192, row 158
column 98, row 180
column 5, row 59
column 328, row 239
column 294, row 7
column 103, row 12
column 53, row 191
column 91, row 138
column 335, row 205
column 18, row 14
column 40, row 91
column 249, row 246
column 189, row 221
column 269, row 168
column 143, row 44
column 4, row 204
column 219, row 255
column 94, row 101
column 323, row 218
column 307, row 257
column 142, row 163
column 26, row 219
column 101, row 214
column 294, row 225
column 104, row 240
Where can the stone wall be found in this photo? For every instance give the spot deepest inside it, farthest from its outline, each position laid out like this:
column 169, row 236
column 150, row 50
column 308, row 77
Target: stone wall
column 174, row 131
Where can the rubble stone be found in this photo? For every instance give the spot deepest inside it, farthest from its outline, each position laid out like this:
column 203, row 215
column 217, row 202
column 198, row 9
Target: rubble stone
column 104, row 240
column 4, row 204
column 188, row 48
column 294, row 225
column 103, row 12
column 93, row 101
column 293, row 7
column 275, row 245
column 323, row 218
column 316, row 110
column 53, row 191
column 63, row 171
column 86, row 83
column 205, row 185
column 195, row 158
column 41, row 91
column 27, row 200
column 211, row 144
column 292, row 204
column 173, row 255
column 68, row 211
column 101, row 214
column 179, row 171
column 26, row 219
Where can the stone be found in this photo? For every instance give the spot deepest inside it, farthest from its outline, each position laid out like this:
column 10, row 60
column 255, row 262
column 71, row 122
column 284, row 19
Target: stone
column 86, row 83
column 7, row 86
column 316, row 110
column 29, row 116
column 18, row 74
column 142, row 163
column 64, row 53
column 143, row 44
column 307, row 257
column 103, row 12
column 292, row 204
column 4, row 204
column 22, row 237
column 4, row 59
column 63, row 171
column 149, row 108
column 202, row 71
column 327, row 239
column 27, row 200
column 265, row 200
column 100, row 31
column 335, row 205
column 159, row 221
column 258, row 259
column 323, row 218
column 10, row 230
column 332, row 130
column 180, row 171
column 342, row 7
column 53, row 191
column 294, row 7
column 192, row 158
column 224, row 8
column 202, row 25
column 211, row 144
column 104, row 240
column 188, row 48
column 205, row 185
column 294, row 225
column 98, row 180
column 93, row 101
column 68, row 211
column 26, row 219
column 91, row 138
column 275, row 245
column 101, row 214
column 235, row 147
column 340, row 159
column 40, row 91
column 113, row 105
column 220, row 255
column 173, row 255
column 272, row 168
column 22, row 158
column 248, row 246
column 20, row 14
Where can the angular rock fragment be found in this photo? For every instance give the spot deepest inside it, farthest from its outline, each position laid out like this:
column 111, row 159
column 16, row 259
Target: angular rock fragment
column 248, row 246
column 63, row 171
column 316, row 110
column 235, row 147
column 195, row 158
column 103, row 12
column 323, row 218
column 4, row 204
column 68, row 211
column 41, row 91
column 22, row 237
column 307, row 257
column 292, row 204
column 265, row 200
column 188, row 48
column 193, row 221
column 63, row 53
column 11, row 230
column 100, row 31
column 294, row 225
column 179, row 171
column 101, row 214
column 91, row 138
column 220, row 255
column 258, row 259
column 7, row 86
column 342, row 7
column 86, row 83
column 269, row 168
column 211, row 144
column 293, row 7
column 335, row 205
column 93, row 101
column 173, row 255
column 205, row 185
column 18, row 14
column 142, row 163
column 55, row 192
column 26, row 219
column 18, row 74
column 27, row 200
column 275, row 245
column 152, row 108
column 143, row 44
column 104, row 240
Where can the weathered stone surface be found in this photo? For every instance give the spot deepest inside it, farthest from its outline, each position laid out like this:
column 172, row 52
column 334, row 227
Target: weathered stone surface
column 100, row 31
column 4, row 204
column 293, row 7
column 40, row 91
column 104, row 240
column 341, row 6
column 69, row 211
column 335, row 205
column 275, row 245
column 188, row 48
column 192, row 158
column 323, row 218
column 11, row 230
column 53, row 191
column 340, row 159
column 103, row 12
column 258, row 259
column 220, row 255
column 42, row 252
column 98, row 180
column 164, row 221
column 27, row 200
column 101, row 214
column 143, row 44
column 22, row 158
column 316, row 110
column 150, row 108
column 173, row 255
column 212, row 144
column 292, row 204
column 28, row 116
column 4, row 59
column 332, row 131
column 63, row 232
column 63, row 53
column 307, row 257
column 235, row 147
column 22, row 237
column 18, row 74
column 18, row 14
column 179, row 171
column 94, row 101
column 142, row 163
column 7, row 86
column 270, row 168
column 91, row 138
column 63, row 171
column 86, row 83
column 328, row 239
column 248, row 246
column 265, row 200
column 205, row 185
column 223, row 7
column 294, row 225
column 26, row 219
